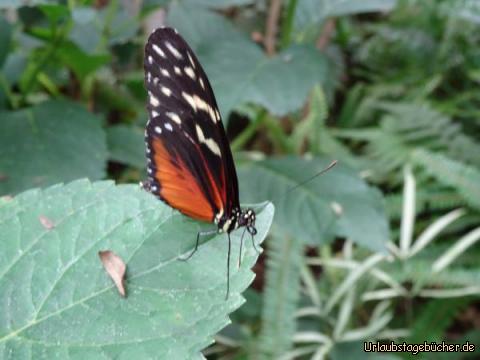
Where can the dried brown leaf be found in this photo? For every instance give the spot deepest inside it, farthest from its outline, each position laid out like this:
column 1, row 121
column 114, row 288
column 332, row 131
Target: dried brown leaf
column 115, row 268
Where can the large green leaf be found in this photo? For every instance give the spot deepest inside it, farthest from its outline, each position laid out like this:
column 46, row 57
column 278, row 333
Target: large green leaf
column 336, row 203
column 219, row 4
column 58, row 302
column 312, row 12
column 239, row 70
column 49, row 143
column 126, row 145
column 86, row 29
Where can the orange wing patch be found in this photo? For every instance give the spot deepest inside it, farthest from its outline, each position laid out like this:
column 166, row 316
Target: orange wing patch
column 178, row 186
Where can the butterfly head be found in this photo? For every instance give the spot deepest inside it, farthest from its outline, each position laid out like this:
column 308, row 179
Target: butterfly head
column 247, row 219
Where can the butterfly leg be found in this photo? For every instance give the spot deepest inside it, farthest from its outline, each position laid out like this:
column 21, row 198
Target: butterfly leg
column 241, row 246
column 200, row 233
column 255, row 246
column 228, row 266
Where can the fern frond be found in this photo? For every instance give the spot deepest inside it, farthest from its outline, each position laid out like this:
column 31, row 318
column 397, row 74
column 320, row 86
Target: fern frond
column 280, row 296
column 465, row 179
column 440, row 199
column 407, row 127
column 419, row 272
column 435, row 317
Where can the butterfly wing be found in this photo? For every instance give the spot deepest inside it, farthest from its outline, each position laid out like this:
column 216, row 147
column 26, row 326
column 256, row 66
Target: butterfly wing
column 190, row 161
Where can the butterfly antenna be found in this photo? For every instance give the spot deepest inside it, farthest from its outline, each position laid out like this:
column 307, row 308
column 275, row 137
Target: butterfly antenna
column 331, row 165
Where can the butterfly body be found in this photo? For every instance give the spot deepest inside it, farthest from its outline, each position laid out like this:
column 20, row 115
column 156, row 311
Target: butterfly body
column 190, row 164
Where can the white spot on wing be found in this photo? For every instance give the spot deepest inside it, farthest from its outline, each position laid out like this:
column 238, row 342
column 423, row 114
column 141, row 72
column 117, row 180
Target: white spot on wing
column 198, row 103
column 189, row 100
column 155, row 80
column 168, row 126
column 189, row 71
column 166, row 91
column 154, row 114
column 150, row 59
column 211, row 144
column 217, row 115
column 154, row 101
column 202, row 84
column 158, row 130
column 159, row 51
column 174, row 117
column 177, row 70
column 165, row 72
column 173, row 50
column 149, row 77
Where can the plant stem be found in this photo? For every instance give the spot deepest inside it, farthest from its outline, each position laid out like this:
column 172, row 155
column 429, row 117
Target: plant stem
column 272, row 26
column 52, row 48
column 278, row 136
column 287, row 25
column 249, row 131
column 8, row 93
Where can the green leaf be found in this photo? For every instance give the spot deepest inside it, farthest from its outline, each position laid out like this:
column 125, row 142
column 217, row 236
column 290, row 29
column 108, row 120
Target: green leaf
column 80, row 62
column 241, row 73
column 338, row 202
column 126, row 145
column 49, row 143
column 280, row 84
column 200, row 26
column 218, row 4
column 122, row 25
column 312, row 12
column 58, row 302
column 86, row 29
column 54, row 13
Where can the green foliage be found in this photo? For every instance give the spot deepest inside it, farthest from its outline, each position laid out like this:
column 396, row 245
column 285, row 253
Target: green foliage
column 52, row 142
column 281, row 297
column 336, row 203
column 434, row 319
column 126, row 145
column 244, row 74
column 410, row 126
column 388, row 88
column 54, row 278
column 310, row 13
column 464, row 178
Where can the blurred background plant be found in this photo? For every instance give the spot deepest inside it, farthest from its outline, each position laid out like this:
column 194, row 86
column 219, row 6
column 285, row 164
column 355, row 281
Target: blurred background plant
column 383, row 247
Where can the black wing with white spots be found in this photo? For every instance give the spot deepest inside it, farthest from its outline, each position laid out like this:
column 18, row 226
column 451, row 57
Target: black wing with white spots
column 190, row 162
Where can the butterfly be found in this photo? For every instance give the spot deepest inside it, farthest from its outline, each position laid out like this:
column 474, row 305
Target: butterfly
column 190, row 164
